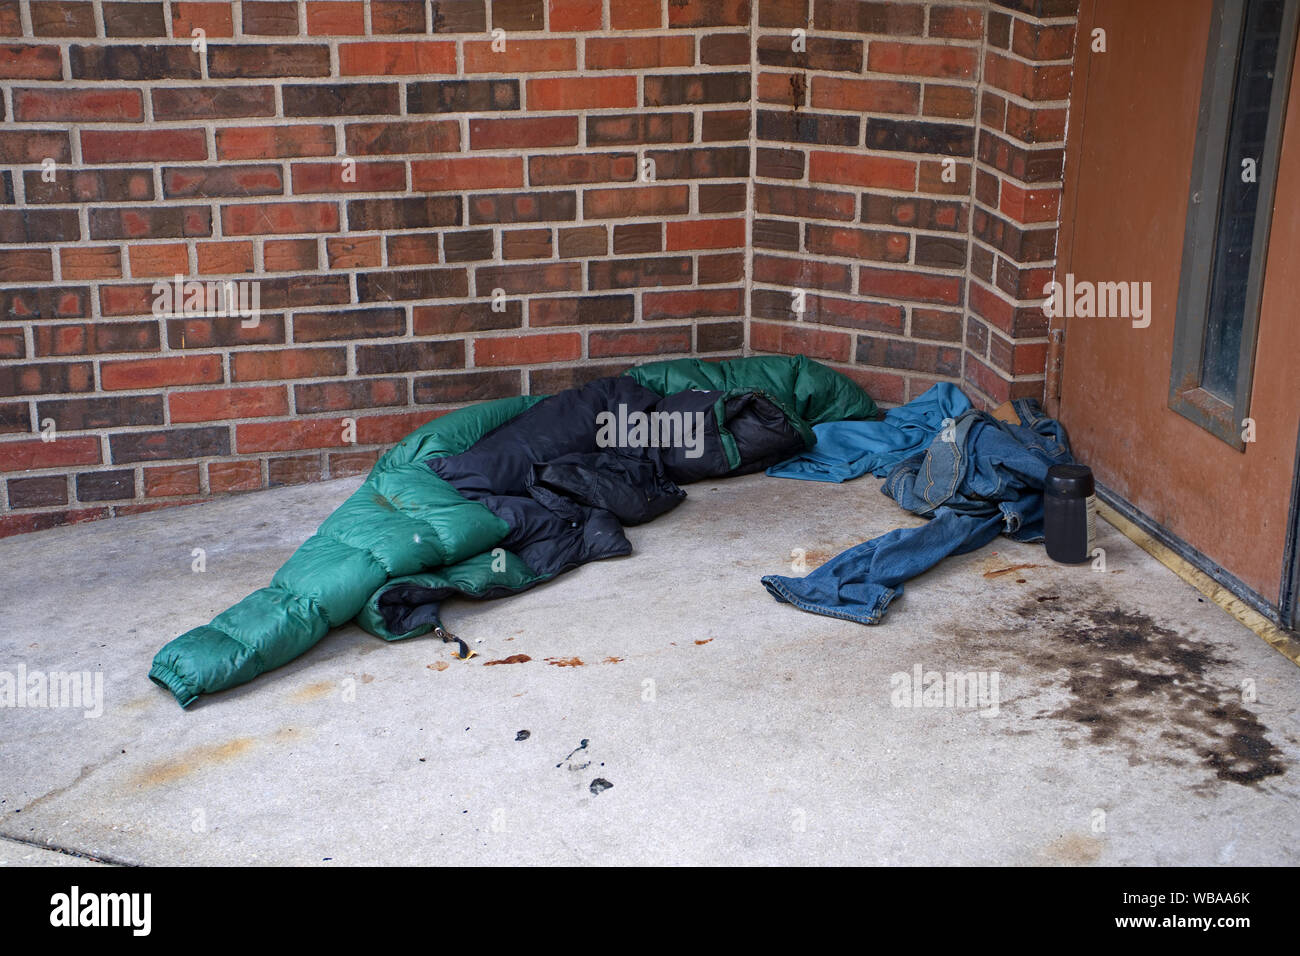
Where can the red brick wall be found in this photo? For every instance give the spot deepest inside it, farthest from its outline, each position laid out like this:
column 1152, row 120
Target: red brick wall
column 907, row 182
column 477, row 170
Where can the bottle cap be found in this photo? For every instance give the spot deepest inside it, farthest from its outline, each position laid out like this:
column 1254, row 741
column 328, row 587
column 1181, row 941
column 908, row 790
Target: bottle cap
column 1070, row 481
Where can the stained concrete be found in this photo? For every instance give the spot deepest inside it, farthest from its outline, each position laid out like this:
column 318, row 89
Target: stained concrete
column 1136, row 723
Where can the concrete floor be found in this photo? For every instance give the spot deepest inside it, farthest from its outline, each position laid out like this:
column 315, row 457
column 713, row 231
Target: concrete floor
column 732, row 728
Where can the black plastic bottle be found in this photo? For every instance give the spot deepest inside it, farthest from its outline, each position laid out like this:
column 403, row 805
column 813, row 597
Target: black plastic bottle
column 1069, row 513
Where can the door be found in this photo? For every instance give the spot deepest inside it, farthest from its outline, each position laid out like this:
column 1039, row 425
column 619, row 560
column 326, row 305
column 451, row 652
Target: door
column 1187, row 403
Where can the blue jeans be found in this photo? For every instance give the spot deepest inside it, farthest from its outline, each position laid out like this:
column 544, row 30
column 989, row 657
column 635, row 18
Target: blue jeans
column 977, row 479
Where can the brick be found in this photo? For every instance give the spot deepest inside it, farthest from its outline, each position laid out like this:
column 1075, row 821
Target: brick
column 719, row 198
column 97, row 338
column 147, row 222
column 857, row 243
column 627, row 273
column 1027, row 81
column 465, row 317
column 62, row 18
column 923, row 59
column 134, row 19
column 276, row 218
column 99, row 262
column 1036, row 41
column 819, row 53
column 904, row 354
column 349, row 324
column 37, row 492
column 234, row 476
column 44, row 302
column 522, row 207
column 354, row 252
column 336, row 18
column 295, row 470
column 26, row 265
column 943, row 138
column 416, row 136
column 804, row 202
column 271, row 60
column 270, row 18
column 528, row 349
column 188, row 182
column 34, row 146
column 696, row 89
column 46, row 378
column 409, row 357
column 462, row 96
column 914, row 212
column 396, row 16
column 159, row 259
column 422, row 249
column 224, row 258
column 128, row 146
column 290, row 255
column 788, row 339
column 523, row 133
column 636, row 15
column 526, row 244
column 115, row 411
column 851, row 169
column 691, row 303
column 574, row 15
column 167, row 481
column 274, row 142
column 459, row 387
column 252, row 437
column 640, row 128
column 342, row 396
column 395, row 286
column 1030, row 205
column 416, row 212
column 523, row 56
column 214, row 19
column 638, row 53
column 725, row 49
column 719, row 337
column 579, row 93
column 22, row 523
column 583, row 241
column 129, row 447
column 156, row 372
column 271, row 364
column 706, row 163
column 865, row 95
column 706, row 234
column 813, row 128
column 185, row 103
column 114, row 485
column 397, row 58
column 345, row 464
column 915, row 286
column 78, row 105
column 581, row 310
column 460, row 16
column 638, row 237
column 802, row 273
column 708, row 13
column 526, row 278
column 125, row 61
column 635, row 201
column 660, row 340
column 582, row 168
column 33, row 454
column 851, row 16
column 518, row 14
column 958, row 23
column 949, row 102
column 30, row 62
column 363, row 177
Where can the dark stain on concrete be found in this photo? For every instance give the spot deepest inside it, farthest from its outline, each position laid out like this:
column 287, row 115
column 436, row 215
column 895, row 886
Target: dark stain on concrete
column 512, row 659
column 1138, row 685
column 599, row 786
